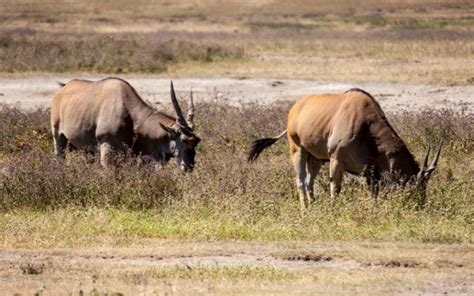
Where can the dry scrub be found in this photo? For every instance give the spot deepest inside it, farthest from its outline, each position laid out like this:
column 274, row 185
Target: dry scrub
column 29, row 51
column 224, row 198
column 419, row 41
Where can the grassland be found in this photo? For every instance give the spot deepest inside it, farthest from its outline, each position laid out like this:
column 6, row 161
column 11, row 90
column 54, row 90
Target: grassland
column 231, row 227
column 47, row 204
column 414, row 41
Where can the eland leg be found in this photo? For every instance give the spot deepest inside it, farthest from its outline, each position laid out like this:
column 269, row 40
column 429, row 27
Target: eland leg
column 60, row 144
column 299, row 156
column 373, row 180
column 313, row 166
column 336, row 171
column 106, row 153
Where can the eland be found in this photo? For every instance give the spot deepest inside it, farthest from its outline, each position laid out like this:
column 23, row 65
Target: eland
column 351, row 132
column 109, row 116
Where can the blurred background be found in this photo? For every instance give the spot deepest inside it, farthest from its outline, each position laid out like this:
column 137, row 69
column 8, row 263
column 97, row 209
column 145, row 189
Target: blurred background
column 398, row 40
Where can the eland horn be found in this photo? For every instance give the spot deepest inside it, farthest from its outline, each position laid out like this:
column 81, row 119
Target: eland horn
column 435, row 160
column 425, row 159
column 190, row 115
column 181, row 121
column 424, row 164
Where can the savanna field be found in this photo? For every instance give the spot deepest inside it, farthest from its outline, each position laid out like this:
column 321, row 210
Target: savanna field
column 227, row 198
column 233, row 227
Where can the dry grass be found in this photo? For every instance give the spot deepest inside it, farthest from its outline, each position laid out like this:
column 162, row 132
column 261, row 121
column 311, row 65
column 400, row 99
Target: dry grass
column 215, row 8
column 416, row 41
column 46, row 204
column 29, row 52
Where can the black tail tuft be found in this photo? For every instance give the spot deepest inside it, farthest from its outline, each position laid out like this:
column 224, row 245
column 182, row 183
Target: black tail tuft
column 257, row 147
column 61, row 84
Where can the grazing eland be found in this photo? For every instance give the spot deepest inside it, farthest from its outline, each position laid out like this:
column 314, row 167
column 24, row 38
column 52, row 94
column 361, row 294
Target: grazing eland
column 109, row 115
column 351, row 132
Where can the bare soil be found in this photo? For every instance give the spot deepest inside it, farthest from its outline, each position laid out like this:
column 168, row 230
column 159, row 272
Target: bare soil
column 35, row 91
column 367, row 268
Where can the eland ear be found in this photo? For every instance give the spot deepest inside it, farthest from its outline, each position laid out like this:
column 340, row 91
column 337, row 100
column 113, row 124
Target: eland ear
column 173, row 132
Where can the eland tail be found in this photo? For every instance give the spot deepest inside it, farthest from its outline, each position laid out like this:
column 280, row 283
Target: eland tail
column 258, row 146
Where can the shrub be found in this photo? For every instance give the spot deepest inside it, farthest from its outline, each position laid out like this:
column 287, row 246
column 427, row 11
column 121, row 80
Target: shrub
column 119, row 53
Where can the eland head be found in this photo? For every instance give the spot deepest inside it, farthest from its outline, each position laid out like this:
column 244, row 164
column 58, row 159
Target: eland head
column 183, row 140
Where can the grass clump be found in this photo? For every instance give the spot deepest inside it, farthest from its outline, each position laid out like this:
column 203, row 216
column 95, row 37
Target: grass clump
column 20, row 130
column 225, row 197
column 239, row 272
column 34, row 181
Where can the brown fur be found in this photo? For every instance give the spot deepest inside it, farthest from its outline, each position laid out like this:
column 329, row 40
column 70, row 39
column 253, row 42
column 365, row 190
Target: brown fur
column 108, row 115
column 350, row 131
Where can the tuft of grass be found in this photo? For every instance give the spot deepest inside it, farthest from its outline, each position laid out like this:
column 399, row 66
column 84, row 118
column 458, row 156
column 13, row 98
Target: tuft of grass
column 32, row 268
column 34, row 181
column 20, row 130
column 285, row 26
column 239, row 272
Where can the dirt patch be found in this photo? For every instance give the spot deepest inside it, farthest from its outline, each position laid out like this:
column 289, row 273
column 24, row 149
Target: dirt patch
column 220, row 267
column 254, row 259
column 32, row 92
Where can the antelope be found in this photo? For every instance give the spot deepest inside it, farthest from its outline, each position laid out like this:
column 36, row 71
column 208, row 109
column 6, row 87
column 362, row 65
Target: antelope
column 109, row 116
column 351, row 132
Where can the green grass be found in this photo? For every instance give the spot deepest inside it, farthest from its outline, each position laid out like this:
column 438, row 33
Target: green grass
column 240, row 272
column 93, row 226
column 287, row 26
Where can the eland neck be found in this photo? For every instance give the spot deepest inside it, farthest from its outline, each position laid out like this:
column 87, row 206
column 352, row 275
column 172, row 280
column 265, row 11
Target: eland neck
column 390, row 145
